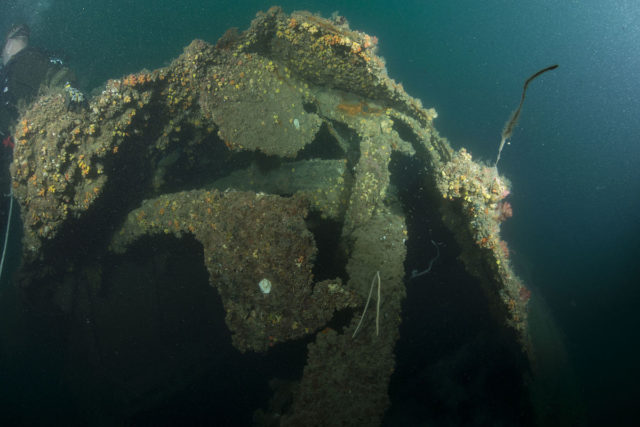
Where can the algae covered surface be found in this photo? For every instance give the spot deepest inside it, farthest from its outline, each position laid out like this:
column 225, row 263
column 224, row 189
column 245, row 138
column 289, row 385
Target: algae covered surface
column 254, row 148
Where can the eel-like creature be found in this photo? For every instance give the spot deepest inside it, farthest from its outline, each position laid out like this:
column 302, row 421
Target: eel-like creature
column 513, row 120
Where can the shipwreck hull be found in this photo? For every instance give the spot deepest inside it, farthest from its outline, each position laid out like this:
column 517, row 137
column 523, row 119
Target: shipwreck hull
column 276, row 152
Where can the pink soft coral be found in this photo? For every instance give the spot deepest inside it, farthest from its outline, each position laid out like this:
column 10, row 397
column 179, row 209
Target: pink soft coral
column 504, row 211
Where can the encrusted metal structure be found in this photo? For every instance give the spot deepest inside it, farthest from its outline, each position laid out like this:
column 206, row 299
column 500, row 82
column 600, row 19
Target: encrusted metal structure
column 237, row 146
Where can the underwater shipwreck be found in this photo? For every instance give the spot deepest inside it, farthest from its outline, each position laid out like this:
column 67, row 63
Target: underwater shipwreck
column 272, row 164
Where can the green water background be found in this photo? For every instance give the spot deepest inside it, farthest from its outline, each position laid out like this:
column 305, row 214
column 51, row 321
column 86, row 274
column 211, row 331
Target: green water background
column 575, row 156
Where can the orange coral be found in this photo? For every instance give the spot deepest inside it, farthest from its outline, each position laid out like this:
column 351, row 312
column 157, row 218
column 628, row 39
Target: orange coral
column 130, row 80
column 370, row 41
column 136, row 79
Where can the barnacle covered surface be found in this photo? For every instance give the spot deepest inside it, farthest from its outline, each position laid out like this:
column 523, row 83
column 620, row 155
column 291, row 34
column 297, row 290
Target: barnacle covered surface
column 245, row 146
column 379, row 245
column 247, row 237
column 323, row 183
column 260, row 98
column 479, row 193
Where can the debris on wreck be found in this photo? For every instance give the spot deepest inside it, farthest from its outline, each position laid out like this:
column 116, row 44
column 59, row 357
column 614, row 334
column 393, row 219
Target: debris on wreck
column 235, row 145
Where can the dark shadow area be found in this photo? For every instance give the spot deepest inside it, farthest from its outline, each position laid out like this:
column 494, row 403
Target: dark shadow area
column 140, row 340
column 187, row 164
column 329, row 263
column 456, row 365
column 324, row 146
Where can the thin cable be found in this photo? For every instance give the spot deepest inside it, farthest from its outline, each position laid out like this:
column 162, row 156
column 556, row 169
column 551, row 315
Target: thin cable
column 6, row 233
